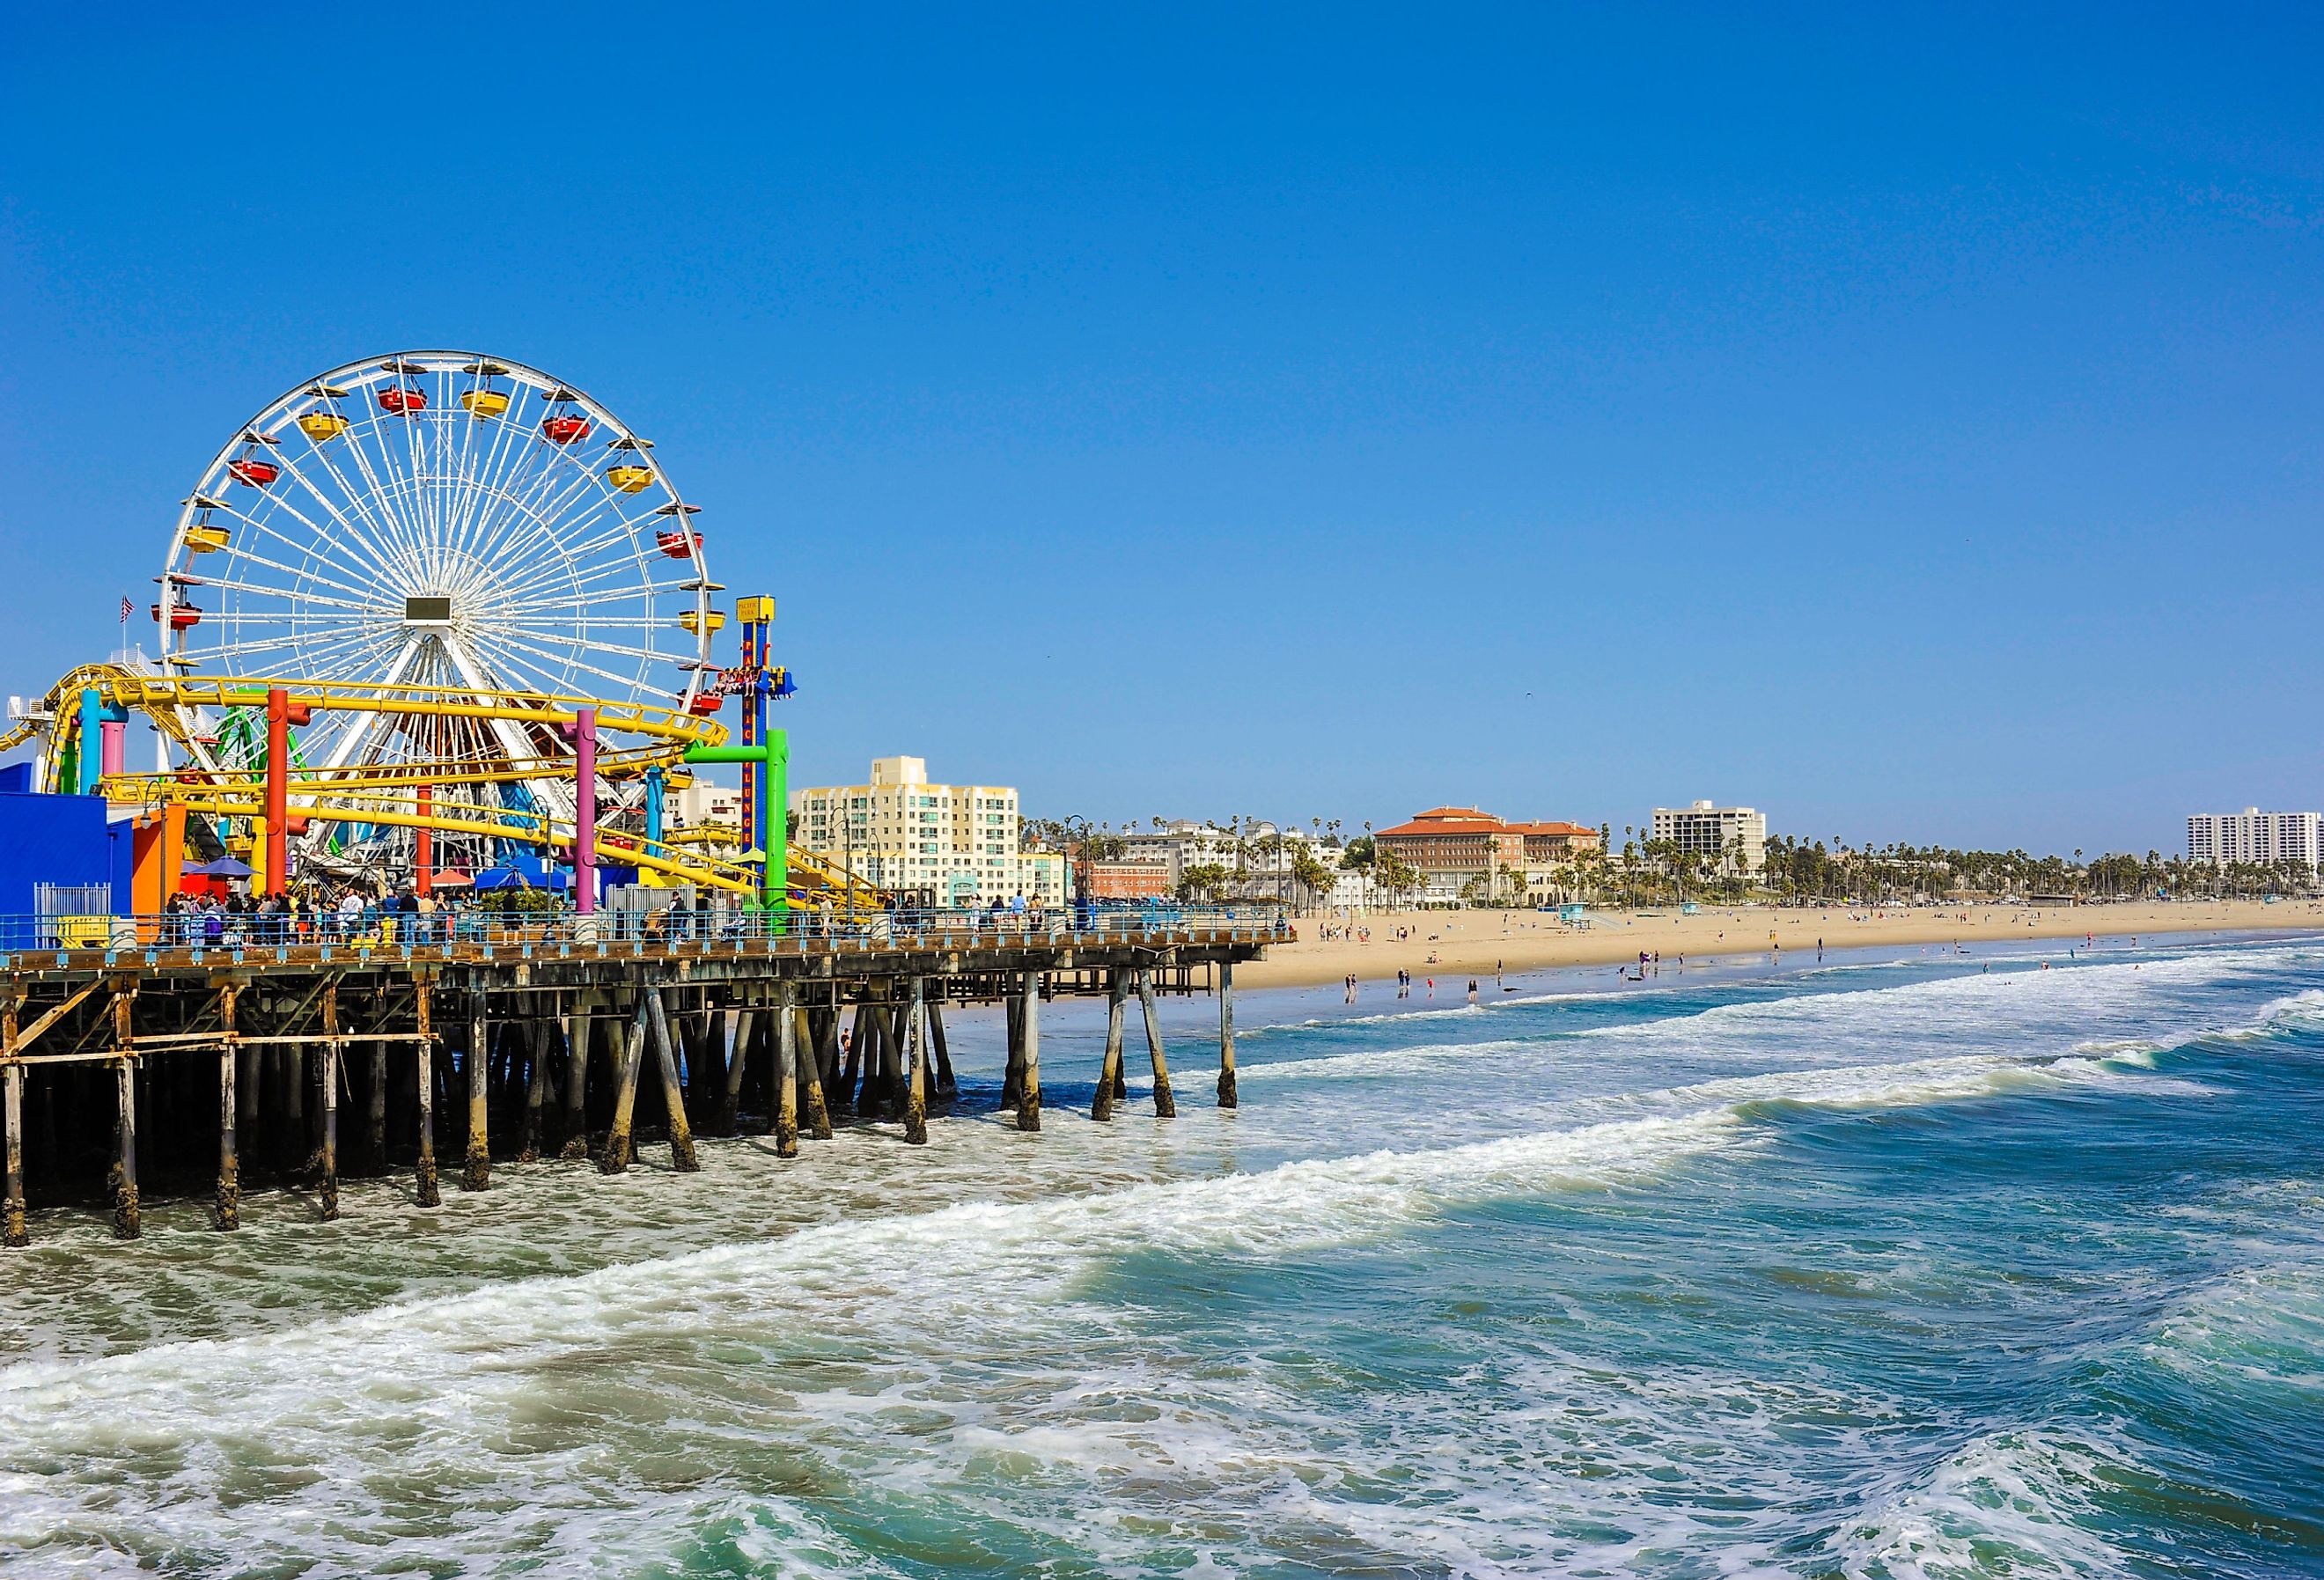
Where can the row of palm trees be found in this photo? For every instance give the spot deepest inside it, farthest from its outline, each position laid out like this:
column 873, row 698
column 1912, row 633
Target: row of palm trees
column 1647, row 871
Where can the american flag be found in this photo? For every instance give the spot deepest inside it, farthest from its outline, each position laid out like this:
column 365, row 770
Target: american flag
column 127, row 609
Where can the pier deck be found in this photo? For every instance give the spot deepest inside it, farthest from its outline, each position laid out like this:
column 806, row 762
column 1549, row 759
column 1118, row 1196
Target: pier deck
column 200, row 1062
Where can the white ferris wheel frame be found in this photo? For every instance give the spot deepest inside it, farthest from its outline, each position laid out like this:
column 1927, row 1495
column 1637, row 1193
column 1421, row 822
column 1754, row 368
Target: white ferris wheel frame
column 556, row 581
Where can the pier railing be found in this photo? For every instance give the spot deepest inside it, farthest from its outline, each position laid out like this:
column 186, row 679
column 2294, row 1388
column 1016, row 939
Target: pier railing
column 448, row 932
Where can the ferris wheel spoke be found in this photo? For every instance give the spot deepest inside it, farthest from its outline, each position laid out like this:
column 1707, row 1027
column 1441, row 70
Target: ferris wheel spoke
column 505, row 640
column 581, row 575
column 586, row 643
column 511, row 457
column 623, row 531
column 267, row 590
column 555, row 477
column 356, row 539
column 243, row 551
column 386, row 536
column 384, row 496
column 316, row 546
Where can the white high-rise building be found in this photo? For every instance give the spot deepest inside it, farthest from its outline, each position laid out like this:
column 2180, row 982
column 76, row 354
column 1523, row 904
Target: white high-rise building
column 958, row 842
column 2258, row 838
column 1704, row 829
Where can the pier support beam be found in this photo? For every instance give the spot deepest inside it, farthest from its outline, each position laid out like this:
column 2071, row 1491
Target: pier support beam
column 824, row 1053
column 1012, row 1079
column 225, row 1211
column 1226, row 1034
column 737, row 1026
column 1117, row 990
column 424, row 1189
column 853, row 1055
column 533, row 1039
column 947, row 1087
column 1164, row 1105
column 125, row 1222
column 916, row 1071
column 786, row 1082
column 332, row 1047
column 375, row 1112
column 629, row 1053
column 477, row 1171
column 13, row 1231
column 1028, row 1099
column 577, row 1082
column 673, row 1091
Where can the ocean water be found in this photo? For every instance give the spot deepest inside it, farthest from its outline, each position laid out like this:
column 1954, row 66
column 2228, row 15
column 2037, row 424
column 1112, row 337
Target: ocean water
column 1908, row 1265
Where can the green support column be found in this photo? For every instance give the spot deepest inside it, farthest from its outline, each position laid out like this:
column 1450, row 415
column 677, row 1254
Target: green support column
column 774, row 758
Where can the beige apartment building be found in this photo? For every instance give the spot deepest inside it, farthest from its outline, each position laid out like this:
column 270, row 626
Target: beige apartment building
column 958, row 844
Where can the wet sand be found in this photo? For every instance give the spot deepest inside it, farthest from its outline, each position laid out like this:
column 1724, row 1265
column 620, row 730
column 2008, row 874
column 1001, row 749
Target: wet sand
column 1471, row 943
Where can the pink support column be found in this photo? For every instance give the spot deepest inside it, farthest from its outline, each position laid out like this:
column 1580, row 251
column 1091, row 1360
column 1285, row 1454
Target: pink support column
column 584, row 810
column 114, row 732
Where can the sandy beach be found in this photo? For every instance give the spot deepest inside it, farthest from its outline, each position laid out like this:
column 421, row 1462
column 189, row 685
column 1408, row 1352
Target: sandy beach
column 1467, row 943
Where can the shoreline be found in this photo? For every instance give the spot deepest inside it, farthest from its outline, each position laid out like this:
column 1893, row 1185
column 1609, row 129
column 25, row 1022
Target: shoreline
column 1479, row 943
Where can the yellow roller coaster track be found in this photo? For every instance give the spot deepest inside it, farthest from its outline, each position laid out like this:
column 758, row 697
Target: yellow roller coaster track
column 382, row 794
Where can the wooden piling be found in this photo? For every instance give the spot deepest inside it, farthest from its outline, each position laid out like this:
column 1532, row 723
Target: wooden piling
column 673, row 1092
column 827, row 1050
column 293, row 1069
column 1028, row 1097
column 226, row 1211
column 425, row 1189
column 1164, row 1105
column 576, row 1144
column 1226, row 1034
column 947, row 1087
column 126, row 1224
column 630, row 1053
column 330, row 1184
column 895, row 1068
column 853, row 1056
column 1012, row 1078
column 737, row 1025
column 1117, row 990
column 375, row 1112
column 12, row 1230
column 916, row 1071
column 786, row 1075
column 476, row 1170
column 533, row 1038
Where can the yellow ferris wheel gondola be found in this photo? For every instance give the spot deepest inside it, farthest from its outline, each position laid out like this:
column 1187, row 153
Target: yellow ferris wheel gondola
column 481, row 400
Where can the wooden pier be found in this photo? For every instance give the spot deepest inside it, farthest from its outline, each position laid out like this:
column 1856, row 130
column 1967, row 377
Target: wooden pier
column 184, row 1070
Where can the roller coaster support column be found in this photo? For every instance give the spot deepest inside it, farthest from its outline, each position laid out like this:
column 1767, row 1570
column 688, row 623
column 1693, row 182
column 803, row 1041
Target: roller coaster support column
column 99, row 751
column 657, row 781
column 278, row 790
column 423, row 841
column 773, row 757
column 584, row 810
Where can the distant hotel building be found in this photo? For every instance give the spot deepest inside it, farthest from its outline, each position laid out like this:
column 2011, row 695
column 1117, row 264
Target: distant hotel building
column 958, row 844
column 1153, row 862
column 1704, row 829
column 1450, row 846
column 2253, row 838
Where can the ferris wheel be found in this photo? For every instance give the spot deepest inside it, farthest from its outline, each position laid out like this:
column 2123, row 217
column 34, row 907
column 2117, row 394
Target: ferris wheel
column 439, row 521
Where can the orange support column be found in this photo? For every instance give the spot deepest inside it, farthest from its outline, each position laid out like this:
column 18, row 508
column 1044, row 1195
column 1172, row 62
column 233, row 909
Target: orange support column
column 279, row 717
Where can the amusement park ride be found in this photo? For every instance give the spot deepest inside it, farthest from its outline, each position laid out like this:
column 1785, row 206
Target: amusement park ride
column 432, row 615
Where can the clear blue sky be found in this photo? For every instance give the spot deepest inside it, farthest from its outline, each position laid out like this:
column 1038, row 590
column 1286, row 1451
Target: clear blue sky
column 1906, row 421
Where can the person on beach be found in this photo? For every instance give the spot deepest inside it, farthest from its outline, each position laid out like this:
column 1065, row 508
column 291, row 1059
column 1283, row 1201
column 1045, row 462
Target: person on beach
column 1472, row 990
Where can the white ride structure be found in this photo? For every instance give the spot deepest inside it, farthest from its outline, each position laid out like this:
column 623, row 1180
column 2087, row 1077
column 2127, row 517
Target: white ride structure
column 439, row 519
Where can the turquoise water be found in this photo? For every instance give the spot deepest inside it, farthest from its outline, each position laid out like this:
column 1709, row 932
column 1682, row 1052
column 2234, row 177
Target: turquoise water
column 1904, row 1266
